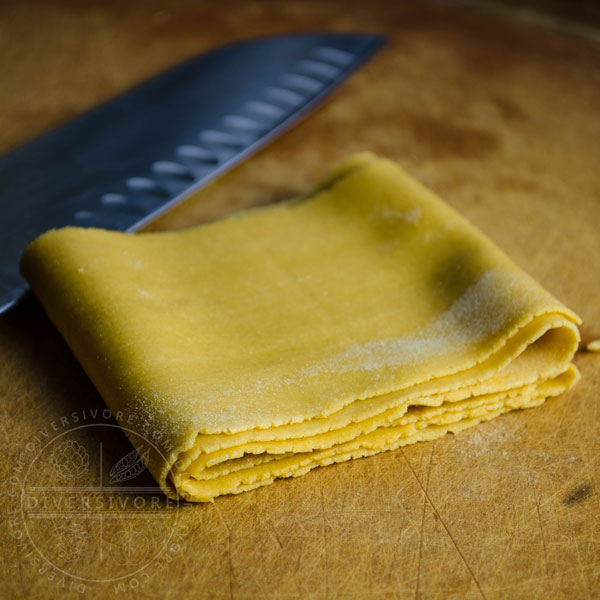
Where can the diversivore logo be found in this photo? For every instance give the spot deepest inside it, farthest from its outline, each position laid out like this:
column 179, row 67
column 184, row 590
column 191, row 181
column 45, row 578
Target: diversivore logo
column 86, row 511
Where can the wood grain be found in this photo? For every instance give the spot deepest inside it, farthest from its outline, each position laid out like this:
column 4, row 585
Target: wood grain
column 504, row 123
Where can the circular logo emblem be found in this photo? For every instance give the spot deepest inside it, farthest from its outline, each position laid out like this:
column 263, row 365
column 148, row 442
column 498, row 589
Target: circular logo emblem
column 90, row 508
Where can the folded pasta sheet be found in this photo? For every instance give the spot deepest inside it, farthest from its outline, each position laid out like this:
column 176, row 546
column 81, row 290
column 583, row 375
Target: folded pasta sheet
column 363, row 317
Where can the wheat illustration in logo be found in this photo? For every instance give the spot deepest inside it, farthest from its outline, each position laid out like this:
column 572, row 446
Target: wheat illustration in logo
column 130, row 466
column 70, row 460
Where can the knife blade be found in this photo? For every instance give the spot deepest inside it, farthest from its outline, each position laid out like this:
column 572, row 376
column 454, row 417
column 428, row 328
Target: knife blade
column 120, row 165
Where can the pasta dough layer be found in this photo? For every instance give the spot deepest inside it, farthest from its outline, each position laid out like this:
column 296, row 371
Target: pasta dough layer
column 361, row 318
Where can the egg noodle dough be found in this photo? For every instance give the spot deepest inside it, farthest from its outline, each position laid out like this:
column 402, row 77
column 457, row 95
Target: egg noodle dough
column 360, row 318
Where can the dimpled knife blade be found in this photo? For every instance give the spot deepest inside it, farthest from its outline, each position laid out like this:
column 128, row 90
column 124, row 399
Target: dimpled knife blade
column 123, row 163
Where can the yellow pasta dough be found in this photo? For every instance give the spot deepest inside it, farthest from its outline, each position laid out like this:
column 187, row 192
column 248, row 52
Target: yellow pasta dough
column 361, row 318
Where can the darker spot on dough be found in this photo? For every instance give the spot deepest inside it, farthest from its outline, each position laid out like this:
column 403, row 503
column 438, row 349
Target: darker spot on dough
column 455, row 273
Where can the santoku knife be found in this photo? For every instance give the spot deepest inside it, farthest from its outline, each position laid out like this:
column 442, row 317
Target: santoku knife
column 121, row 164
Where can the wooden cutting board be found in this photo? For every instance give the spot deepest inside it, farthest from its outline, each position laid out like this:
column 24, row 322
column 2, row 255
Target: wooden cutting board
column 504, row 122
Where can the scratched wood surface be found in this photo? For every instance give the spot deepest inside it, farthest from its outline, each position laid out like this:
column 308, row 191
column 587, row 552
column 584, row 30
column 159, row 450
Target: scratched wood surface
column 504, row 123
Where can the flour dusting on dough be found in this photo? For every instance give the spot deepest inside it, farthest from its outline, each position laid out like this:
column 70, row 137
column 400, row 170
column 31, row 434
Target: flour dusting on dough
column 480, row 312
column 412, row 216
